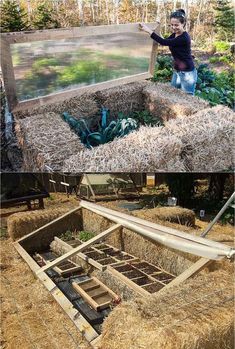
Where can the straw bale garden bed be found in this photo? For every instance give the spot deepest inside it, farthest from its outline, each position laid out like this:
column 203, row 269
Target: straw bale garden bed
column 140, row 126
column 196, row 313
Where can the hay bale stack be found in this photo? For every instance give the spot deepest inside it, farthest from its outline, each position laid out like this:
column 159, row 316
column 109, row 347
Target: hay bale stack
column 176, row 214
column 46, row 140
column 197, row 314
column 163, row 100
column 82, row 106
column 207, row 138
column 195, row 143
column 124, row 98
column 147, row 150
column 23, row 223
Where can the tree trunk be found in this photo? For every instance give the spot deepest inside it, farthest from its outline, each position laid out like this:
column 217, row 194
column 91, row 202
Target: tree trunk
column 216, row 186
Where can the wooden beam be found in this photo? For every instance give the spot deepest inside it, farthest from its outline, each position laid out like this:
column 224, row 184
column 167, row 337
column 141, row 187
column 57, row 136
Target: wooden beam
column 8, row 74
column 60, row 96
column 154, row 52
column 89, row 185
column 71, row 33
column 79, row 321
column 190, row 272
column 81, row 255
column 80, row 248
column 35, row 232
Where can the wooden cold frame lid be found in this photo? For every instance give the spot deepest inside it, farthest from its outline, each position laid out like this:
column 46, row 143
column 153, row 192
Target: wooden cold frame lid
column 8, row 39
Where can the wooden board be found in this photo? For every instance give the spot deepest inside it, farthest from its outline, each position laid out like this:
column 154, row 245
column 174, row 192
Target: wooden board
column 81, row 247
column 59, row 34
column 79, row 321
column 68, row 268
column 98, row 295
column 191, row 271
column 71, row 33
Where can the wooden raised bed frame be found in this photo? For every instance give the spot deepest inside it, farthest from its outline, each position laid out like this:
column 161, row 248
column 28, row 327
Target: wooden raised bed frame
column 65, row 33
column 79, row 321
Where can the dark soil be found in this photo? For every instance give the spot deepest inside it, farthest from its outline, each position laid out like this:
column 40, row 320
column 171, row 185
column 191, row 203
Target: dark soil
column 96, row 255
column 125, row 267
column 107, row 261
column 108, row 250
column 133, row 274
column 142, row 281
column 150, row 270
column 153, row 287
column 141, row 265
column 162, row 276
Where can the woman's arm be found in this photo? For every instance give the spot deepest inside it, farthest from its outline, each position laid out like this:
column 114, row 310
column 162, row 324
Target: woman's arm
column 178, row 41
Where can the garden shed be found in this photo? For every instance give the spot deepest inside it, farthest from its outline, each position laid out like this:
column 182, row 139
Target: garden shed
column 86, row 120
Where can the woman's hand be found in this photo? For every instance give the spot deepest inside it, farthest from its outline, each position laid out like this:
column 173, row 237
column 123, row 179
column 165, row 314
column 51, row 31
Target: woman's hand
column 145, row 28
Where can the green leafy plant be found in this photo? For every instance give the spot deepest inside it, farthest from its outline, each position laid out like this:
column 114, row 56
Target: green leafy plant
column 221, row 46
column 216, row 88
column 106, row 131
column 228, row 216
column 164, row 69
column 86, row 235
column 145, row 118
column 68, row 235
column 3, row 233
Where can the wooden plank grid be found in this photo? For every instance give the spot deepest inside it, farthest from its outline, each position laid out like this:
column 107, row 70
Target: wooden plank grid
column 98, row 295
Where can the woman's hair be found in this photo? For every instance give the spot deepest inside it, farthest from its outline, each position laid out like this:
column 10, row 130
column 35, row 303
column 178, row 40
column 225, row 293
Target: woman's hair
column 180, row 15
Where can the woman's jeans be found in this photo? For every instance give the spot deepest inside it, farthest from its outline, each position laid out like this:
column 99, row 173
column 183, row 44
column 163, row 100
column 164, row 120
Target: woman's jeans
column 186, row 80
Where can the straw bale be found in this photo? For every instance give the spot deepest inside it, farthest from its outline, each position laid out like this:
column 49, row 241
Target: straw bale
column 171, row 260
column 176, row 214
column 82, row 106
column 164, row 101
column 46, row 140
column 196, row 314
column 194, row 143
column 207, row 138
column 146, row 150
column 125, row 98
column 23, row 223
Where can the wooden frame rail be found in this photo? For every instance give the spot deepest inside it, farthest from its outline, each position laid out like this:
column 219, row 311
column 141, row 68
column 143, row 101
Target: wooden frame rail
column 8, row 39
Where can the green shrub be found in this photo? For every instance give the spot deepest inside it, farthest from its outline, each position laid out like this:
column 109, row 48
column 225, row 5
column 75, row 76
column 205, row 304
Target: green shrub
column 86, row 235
column 221, row 46
column 216, row 88
column 163, row 69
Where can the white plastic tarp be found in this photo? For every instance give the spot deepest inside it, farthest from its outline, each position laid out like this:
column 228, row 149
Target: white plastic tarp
column 169, row 237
